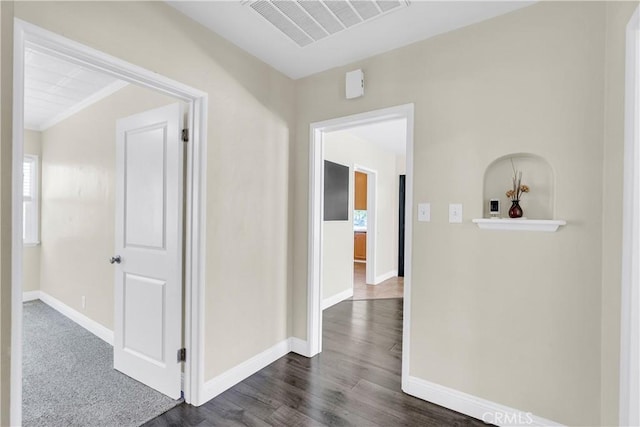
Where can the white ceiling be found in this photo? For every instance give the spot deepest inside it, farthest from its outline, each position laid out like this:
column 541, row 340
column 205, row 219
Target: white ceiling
column 56, row 89
column 389, row 136
column 239, row 23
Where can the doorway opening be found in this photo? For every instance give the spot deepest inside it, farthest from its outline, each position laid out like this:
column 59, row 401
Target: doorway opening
column 376, row 269
column 318, row 136
column 365, row 230
column 28, row 36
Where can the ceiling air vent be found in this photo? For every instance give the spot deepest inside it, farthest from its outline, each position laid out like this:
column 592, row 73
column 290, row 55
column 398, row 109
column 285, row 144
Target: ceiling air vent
column 307, row 21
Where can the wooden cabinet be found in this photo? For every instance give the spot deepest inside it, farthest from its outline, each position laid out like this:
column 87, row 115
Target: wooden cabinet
column 360, row 191
column 360, row 204
column 360, row 245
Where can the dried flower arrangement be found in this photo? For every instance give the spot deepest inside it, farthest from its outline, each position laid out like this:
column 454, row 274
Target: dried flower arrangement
column 518, row 188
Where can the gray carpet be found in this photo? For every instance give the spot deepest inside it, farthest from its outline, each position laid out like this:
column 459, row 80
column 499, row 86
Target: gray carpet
column 69, row 380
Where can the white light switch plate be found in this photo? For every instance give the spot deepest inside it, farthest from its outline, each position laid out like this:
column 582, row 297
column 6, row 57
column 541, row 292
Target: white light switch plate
column 455, row 213
column 424, row 212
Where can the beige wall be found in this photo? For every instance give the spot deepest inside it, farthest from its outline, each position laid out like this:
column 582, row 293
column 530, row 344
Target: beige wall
column 250, row 123
column 337, row 269
column 78, row 203
column 31, row 253
column 617, row 15
column 6, row 138
column 510, row 317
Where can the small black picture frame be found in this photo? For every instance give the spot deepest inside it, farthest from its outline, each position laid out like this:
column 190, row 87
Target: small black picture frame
column 494, row 207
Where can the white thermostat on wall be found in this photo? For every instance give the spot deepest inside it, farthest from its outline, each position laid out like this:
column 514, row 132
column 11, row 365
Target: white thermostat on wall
column 354, row 84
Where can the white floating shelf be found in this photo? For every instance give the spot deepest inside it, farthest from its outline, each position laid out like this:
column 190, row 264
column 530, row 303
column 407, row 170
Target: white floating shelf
column 548, row 225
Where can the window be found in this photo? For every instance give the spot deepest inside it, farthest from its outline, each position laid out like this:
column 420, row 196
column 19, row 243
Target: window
column 30, row 200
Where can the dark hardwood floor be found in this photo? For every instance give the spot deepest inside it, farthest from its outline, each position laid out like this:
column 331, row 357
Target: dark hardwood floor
column 355, row 381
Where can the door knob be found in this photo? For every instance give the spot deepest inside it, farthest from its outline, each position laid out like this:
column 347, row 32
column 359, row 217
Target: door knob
column 115, row 259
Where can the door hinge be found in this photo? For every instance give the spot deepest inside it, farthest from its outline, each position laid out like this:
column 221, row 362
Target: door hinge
column 185, row 135
column 182, row 355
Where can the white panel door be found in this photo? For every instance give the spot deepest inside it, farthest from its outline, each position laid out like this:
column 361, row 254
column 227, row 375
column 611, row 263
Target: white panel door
column 148, row 258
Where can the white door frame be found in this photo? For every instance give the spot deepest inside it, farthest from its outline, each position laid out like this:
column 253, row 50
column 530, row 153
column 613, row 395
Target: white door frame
column 195, row 178
column 372, row 216
column 630, row 303
column 316, row 207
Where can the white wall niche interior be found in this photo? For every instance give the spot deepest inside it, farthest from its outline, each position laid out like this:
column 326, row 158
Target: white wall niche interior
column 538, row 205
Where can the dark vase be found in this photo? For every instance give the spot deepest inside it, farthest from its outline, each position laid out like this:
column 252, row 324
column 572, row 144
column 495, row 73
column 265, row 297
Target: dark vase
column 515, row 211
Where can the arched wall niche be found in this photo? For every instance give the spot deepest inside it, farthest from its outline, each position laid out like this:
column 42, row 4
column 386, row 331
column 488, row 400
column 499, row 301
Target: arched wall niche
column 537, row 173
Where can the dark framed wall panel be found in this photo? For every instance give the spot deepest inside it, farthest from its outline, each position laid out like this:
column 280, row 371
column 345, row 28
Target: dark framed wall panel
column 336, row 192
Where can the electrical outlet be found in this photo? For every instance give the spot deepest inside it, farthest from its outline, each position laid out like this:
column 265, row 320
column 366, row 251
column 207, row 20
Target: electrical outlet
column 84, row 302
column 455, row 213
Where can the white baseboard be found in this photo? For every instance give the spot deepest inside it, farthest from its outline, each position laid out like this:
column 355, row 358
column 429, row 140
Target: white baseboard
column 298, row 346
column 233, row 376
column 485, row 410
column 213, row 387
column 238, row 373
column 90, row 325
column 388, row 275
column 30, row 296
column 333, row 300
